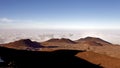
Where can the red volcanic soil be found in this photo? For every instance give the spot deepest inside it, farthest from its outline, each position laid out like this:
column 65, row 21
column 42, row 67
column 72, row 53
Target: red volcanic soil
column 100, row 59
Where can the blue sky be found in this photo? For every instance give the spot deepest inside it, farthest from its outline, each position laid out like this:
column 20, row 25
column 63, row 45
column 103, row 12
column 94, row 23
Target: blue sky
column 59, row 14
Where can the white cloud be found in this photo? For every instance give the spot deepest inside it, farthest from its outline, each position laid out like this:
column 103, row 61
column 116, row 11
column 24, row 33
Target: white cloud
column 6, row 20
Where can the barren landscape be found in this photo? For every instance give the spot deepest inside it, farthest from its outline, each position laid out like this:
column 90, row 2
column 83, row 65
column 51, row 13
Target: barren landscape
column 94, row 50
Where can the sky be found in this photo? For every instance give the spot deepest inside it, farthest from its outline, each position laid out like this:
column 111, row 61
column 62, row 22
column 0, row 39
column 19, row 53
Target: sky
column 59, row 14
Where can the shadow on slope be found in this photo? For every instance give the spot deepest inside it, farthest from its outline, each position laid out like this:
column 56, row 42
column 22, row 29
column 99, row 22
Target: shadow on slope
column 26, row 44
column 36, row 59
column 62, row 40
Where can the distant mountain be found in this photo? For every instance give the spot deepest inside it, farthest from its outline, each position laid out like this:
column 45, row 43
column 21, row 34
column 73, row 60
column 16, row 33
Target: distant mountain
column 93, row 41
column 23, row 43
column 62, row 40
column 55, row 42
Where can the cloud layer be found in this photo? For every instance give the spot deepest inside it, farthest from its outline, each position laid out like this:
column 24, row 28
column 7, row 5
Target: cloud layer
column 6, row 20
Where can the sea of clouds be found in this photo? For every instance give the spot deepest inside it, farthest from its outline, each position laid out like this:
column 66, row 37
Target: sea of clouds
column 7, row 36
